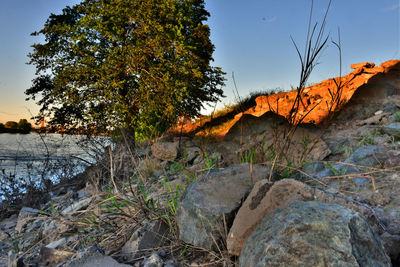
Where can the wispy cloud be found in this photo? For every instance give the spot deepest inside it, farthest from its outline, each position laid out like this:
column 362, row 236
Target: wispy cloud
column 270, row 19
column 391, row 8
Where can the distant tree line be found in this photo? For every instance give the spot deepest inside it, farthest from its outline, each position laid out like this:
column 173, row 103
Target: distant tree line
column 23, row 126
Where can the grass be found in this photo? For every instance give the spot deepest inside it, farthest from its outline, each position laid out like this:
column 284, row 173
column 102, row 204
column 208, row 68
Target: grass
column 397, row 116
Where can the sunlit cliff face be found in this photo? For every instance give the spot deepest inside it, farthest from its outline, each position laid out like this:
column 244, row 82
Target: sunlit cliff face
column 318, row 102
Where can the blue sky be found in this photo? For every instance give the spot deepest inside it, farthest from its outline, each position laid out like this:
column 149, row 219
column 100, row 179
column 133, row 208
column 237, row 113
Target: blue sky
column 252, row 39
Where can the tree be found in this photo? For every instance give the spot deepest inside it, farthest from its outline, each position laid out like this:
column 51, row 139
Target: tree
column 11, row 125
column 24, row 126
column 125, row 63
column 2, row 128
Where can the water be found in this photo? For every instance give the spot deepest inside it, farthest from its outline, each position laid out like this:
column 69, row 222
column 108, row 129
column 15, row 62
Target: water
column 53, row 156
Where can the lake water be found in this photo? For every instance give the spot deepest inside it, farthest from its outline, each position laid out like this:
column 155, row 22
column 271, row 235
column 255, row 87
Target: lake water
column 55, row 156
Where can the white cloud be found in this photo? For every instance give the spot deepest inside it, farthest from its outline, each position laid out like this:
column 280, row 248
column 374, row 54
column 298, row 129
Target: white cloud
column 391, row 8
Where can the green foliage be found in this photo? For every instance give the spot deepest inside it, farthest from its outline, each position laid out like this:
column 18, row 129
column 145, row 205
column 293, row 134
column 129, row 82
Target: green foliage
column 397, row 116
column 248, row 156
column 132, row 64
column 176, row 167
column 366, row 141
column 11, row 125
column 211, row 163
column 24, row 125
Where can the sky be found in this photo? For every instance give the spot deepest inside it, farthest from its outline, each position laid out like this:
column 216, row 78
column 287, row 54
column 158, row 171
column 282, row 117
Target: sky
column 252, row 43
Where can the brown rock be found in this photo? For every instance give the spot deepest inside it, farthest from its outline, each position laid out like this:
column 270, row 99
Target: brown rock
column 51, row 257
column 263, row 199
column 362, row 65
column 366, row 77
column 165, row 150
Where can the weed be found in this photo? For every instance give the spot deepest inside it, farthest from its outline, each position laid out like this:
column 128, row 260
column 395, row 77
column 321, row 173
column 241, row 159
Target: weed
column 249, row 156
column 397, row 116
column 348, row 150
column 211, row 163
column 366, row 141
column 176, row 167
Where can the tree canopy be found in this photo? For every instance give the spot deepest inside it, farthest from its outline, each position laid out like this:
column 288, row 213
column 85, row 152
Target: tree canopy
column 135, row 64
column 23, row 126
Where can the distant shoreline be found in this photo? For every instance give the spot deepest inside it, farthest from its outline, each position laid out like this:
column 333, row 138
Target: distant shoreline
column 15, row 131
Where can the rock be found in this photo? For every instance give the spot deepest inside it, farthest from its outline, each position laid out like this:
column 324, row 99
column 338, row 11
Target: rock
column 76, row 206
column 314, row 233
column 53, row 226
column 208, row 205
column 392, row 245
column 371, row 156
column 376, row 119
column 92, row 257
column 153, row 261
column 3, row 236
column 81, row 194
column 362, row 65
column 338, row 169
column 25, row 215
column 391, row 108
column 265, row 198
column 268, row 131
column 149, row 165
column 12, row 259
column 192, row 153
column 150, row 236
column 393, row 158
column 337, row 145
column 165, row 150
column 380, row 140
column 52, row 257
column 9, row 222
column 392, row 129
column 314, row 168
column 56, row 244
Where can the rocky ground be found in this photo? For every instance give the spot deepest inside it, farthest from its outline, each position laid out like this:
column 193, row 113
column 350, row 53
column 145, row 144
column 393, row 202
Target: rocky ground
column 330, row 198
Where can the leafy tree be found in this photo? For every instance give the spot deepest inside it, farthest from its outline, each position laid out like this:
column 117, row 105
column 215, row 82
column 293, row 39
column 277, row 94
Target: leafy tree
column 125, row 63
column 2, row 128
column 24, row 126
column 11, row 125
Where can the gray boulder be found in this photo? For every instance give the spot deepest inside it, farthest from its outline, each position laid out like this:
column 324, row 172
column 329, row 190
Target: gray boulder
column 313, row 234
column 208, row 206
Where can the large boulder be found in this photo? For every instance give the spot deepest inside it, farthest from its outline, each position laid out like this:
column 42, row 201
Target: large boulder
column 313, row 234
column 209, row 204
column 264, row 198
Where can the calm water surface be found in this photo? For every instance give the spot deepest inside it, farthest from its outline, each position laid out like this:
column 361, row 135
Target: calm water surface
column 28, row 156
